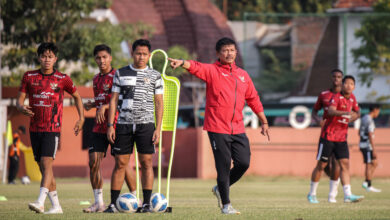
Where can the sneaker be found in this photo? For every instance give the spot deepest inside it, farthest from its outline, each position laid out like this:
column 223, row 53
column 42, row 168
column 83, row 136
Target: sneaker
column 353, row 198
column 312, row 199
column 145, row 208
column 94, row 208
column 365, row 185
column 54, row 210
column 36, row 207
column 228, row 209
column 111, row 209
column 216, row 194
column 373, row 189
column 332, row 199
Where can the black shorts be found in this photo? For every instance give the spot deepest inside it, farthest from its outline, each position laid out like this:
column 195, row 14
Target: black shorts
column 128, row 134
column 327, row 148
column 367, row 155
column 44, row 144
column 99, row 143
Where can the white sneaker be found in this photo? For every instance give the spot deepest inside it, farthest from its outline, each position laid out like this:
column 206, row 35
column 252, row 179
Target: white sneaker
column 373, row 189
column 216, row 194
column 332, row 200
column 54, row 210
column 95, row 208
column 36, row 207
column 230, row 210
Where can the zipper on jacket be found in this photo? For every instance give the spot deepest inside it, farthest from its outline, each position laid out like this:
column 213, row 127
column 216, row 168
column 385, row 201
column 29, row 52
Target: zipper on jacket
column 235, row 97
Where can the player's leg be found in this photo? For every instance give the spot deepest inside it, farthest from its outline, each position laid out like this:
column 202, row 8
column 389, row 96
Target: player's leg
column 122, row 149
column 13, row 168
column 221, row 146
column 145, row 147
column 96, row 154
column 147, row 178
column 342, row 155
column 241, row 156
column 325, row 149
column 130, row 179
column 334, row 179
column 371, row 164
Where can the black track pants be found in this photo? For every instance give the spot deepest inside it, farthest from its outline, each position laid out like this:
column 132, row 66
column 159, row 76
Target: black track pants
column 225, row 148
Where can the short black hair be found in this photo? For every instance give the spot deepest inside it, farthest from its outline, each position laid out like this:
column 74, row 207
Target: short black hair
column 349, row 77
column 337, row 71
column 101, row 47
column 372, row 107
column 223, row 42
column 141, row 42
column 22, row 129
column 47, row 46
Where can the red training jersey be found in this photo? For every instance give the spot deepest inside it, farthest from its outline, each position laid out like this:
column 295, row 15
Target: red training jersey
column 228, row 87
column 323, row 101
column 336, row 127
column 102, row 84
column 46, row 95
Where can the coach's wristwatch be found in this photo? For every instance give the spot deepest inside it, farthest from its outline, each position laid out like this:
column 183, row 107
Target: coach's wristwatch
column 110, row 125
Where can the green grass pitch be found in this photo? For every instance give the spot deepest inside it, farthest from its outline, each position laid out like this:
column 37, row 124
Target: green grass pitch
column 255, row 197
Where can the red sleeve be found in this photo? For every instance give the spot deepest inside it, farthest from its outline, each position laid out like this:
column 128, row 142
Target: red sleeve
column 200, row 70
column 318, row 104
column 334, row 101
column 355, row 106
column 24, row 85
column 253, row 99
column 68, row 85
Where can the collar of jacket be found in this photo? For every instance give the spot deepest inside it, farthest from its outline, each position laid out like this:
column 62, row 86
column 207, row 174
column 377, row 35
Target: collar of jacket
column 226, row 66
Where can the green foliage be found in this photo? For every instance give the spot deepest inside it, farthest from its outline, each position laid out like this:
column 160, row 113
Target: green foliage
column 374, row 53
column 177, row 52
column 277, row 76
column 236, row 8
column 64, row 23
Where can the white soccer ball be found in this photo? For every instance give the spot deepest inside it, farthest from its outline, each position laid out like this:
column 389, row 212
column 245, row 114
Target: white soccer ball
column 158, row 202
column 127, row 202
column 26, row 180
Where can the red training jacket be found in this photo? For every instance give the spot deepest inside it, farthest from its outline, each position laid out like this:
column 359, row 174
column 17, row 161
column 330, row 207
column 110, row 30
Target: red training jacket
column 227, row 89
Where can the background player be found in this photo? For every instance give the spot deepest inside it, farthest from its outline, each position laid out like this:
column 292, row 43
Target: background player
column 333, row 167
column 102, row 84
column 138, row 93
column 45, row 88
column 366, row 132
column 342, row 110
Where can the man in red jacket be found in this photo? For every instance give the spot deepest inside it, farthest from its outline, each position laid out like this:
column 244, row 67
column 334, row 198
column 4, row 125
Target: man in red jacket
column 227, row 89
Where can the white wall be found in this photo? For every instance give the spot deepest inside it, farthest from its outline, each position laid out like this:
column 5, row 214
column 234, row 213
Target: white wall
column 380, row 85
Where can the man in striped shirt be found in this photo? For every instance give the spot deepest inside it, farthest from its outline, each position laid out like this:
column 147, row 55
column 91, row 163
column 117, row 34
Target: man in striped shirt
column 137, row 93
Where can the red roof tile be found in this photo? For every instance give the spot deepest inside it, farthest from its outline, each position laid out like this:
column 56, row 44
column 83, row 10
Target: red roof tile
column 353, row 3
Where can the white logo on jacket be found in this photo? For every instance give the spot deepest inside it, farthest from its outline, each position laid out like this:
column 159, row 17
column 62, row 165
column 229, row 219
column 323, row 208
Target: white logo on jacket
column 223, row 74
column 242, row 78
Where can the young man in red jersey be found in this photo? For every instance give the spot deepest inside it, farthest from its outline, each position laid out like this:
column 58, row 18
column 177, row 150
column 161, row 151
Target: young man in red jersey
column 45, row 89
column 323, row 102
column 343, row 109
column 102, row 84
column 228, row 87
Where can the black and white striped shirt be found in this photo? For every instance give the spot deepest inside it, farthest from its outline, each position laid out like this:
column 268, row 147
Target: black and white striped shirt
column 136, row 88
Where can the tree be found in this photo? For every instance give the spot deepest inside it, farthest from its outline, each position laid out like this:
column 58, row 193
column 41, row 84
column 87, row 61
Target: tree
column 61, row 22
column 236, row 8
column 373, row 56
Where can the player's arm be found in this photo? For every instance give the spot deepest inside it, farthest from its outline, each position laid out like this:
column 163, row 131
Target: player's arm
column 89, row 105
column 264, row 124
column 354, row 116
column 111, row 116
column 333, row 112
column 314, row 112
column 100, row 114
column 24, row 109
column 159, row 106
column 80, row 110
column 175, row 63
column 371, row 139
